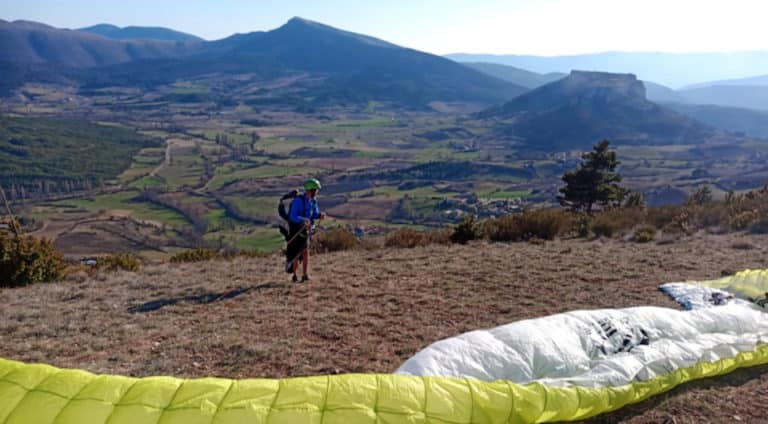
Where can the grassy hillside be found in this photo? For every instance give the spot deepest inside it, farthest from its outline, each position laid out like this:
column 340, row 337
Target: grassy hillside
column 37, row 149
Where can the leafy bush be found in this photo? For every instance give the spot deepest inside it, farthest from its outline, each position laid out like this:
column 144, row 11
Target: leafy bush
column 743, row 220
column 611, row 222
column 760, row 226
column 544, row 224
column 250, row 254
column 582, row 224
column 468, row 229
column 635, row 200
column 195, row 255
column 26, row 260
column 406, row 238
column 662, row 216
column 701, row 196
column 124, row 261
column 409, row 238
column 709, row 215
column 644, row 234
column 604, row 228
column 336, row 239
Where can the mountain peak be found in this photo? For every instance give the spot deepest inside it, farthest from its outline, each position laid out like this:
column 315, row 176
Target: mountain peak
column 301, row 27
column 300, row 20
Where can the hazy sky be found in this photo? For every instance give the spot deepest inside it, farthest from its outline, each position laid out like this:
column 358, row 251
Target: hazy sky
column 543, row 27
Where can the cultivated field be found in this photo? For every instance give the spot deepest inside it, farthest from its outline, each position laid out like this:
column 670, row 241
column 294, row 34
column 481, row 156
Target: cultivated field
column 367, row 311
column 216, row 169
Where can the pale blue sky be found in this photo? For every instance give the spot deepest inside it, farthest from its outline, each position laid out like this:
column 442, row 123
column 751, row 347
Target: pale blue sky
column 545, row 27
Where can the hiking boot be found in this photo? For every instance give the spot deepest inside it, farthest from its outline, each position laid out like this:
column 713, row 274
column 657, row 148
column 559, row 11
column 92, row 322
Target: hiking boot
column 295, row 279
column 305, row 278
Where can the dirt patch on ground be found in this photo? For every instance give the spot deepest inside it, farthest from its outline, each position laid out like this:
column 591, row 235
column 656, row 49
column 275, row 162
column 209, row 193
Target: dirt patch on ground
column 368, row 311
column 110, row 235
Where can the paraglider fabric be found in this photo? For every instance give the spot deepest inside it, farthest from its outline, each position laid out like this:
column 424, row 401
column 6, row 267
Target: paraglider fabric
column 553, row 386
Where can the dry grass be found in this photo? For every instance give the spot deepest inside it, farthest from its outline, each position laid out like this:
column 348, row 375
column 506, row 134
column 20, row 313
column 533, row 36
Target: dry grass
column 367, row 311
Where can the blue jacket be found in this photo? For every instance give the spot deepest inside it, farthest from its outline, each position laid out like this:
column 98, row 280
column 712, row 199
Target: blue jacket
column 303, row 207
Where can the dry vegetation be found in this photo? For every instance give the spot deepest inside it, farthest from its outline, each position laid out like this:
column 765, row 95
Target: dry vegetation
column 367, row 311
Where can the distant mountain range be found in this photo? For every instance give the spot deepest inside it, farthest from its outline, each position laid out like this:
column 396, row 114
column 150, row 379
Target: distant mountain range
column 332, row 66
column 25, row 43
column 750, row 81
column 736, row 120
column 729, row 105
column 351, row 67
column 670, row 69
column 514, row 75
column 584, row 107
column 135, row 32
column 655, row 92
column 738, row 96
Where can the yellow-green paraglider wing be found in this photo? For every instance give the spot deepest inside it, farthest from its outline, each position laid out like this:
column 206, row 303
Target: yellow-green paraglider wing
column 41, row 394
column 748, row 283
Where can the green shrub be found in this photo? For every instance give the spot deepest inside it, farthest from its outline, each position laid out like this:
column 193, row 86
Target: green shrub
column 336, row 239
column 612, row 222
column 250, row 254
column 409, row 238
column 662, row 216
column 743, row 220
column 544, row 224
column 26, row 260
column 760, row 226
column 582, row 224
column 406, row 238
column 644, row 234
column 701, row 196
column 195, row 255
column 709, row 215
column 124, row 261
column 635, row 200
column 467, row 230
column 604, row 228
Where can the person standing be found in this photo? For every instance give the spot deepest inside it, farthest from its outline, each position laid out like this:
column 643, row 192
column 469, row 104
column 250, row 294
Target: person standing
column 304, row 212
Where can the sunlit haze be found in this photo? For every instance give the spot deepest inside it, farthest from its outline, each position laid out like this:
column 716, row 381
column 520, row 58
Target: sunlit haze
column 542, row 27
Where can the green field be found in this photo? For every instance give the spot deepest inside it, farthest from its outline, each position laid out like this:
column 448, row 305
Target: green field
column 123, row 201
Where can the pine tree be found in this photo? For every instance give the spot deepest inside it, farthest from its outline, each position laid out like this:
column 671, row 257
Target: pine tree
column 595, row 182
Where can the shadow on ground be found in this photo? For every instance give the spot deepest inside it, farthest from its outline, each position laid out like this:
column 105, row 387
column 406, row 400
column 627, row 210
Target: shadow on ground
column 201, row 299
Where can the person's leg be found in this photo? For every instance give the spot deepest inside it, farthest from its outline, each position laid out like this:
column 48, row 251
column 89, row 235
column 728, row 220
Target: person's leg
column 293, row 251
column 305, row 259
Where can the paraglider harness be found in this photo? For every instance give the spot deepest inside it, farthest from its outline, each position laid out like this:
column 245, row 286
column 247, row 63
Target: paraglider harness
column 285, row 225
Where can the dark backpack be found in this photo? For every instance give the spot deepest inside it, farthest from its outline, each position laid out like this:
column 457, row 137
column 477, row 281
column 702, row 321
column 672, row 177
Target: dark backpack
column 284, row 213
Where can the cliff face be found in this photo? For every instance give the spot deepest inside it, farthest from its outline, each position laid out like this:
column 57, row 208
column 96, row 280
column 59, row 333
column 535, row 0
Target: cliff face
column 578, row 88
column 585, row 107
column 605, row 87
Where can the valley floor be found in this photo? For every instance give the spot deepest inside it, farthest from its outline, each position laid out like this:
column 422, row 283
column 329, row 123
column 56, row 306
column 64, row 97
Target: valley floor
column 368, row 311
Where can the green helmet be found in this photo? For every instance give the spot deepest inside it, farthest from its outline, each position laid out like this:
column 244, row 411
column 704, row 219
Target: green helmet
column 312, row 184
